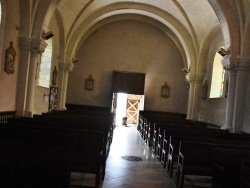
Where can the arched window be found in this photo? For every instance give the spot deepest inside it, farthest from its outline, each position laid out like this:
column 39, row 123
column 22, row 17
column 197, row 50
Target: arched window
column 218, row 77
column 45, row 66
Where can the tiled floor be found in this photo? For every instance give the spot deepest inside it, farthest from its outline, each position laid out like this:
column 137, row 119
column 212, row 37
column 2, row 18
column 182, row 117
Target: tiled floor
column 121, row 173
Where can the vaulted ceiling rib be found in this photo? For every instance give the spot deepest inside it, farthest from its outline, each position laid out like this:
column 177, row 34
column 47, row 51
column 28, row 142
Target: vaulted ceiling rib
column 198, row 18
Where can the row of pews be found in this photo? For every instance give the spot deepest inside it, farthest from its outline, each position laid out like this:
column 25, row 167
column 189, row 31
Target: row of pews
column 4, row 116
column 197, row 148
column 43, row 151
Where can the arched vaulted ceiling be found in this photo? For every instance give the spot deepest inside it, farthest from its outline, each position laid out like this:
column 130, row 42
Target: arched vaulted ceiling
column 187, row 22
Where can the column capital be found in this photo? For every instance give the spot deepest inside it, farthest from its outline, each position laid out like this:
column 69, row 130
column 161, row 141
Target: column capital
column 65, row 66
column 244, row 60
column 38, row 45
column 244, row 64
column 69, row 66
column 191, row 78
column 24, row 43
column 61, row 66
column 230, row 62
column 198, row 78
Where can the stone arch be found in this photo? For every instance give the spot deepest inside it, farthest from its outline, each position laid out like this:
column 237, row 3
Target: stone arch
column 25, row 19
column 62, row 34
column 51, row 10
column 2, row 28
column 142, row 9
column 205, row 49
column 246, row 40
column 230, row 12
column 39, row 18
column 138, row 18
column 223, row 21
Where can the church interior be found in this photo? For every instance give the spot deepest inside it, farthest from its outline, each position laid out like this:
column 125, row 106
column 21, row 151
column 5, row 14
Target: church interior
column 178, row 69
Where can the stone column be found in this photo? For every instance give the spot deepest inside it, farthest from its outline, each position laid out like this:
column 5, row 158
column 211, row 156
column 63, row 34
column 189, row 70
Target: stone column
column 231, row 65
column 191, row 80
column 60, row 85
column 66, row 69
column 240, row 95
column 23, row 73
column 197, row 97
column 37, row 47
column 230, row 99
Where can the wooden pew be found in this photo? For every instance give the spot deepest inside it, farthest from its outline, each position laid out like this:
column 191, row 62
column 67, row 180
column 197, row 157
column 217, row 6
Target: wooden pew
column 182, row 130
column 245, row 173
column 4, row 116
column 104, row 130
column 227, row 168
column 176, row 139
column 197, row 159
column 88, row 154
column 23, row 165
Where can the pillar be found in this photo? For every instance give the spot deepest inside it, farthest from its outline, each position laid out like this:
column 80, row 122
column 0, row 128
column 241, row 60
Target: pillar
column 64, row 69
column 60, row 85
column 197, row 97
column 240, row 94
column 23, row 74
column 191, row 80
column 37, row 47
column 230, row 99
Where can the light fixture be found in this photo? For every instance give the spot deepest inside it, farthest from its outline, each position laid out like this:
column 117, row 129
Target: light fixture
column 47, row 35
column 185, row 70
column 223, row 51
column 74, row 60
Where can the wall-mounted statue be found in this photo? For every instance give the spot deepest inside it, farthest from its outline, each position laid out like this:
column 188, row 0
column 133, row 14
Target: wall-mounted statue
column 10, row 56
column 54, row 76
column 204, row 90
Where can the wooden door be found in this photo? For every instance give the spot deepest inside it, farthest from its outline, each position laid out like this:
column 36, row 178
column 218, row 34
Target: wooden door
column 133, row 104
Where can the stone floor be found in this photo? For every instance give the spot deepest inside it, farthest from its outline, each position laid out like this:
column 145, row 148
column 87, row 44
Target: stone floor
column 121, row 173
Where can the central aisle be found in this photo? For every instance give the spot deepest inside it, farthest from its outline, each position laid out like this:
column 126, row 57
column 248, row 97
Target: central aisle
column 121, row 173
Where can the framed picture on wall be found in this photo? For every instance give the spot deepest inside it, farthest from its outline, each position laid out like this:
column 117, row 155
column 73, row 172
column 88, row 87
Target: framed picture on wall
column 165, row 90
column 89, row 83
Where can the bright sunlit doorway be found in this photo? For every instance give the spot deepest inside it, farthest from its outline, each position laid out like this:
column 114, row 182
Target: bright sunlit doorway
column 128, row 105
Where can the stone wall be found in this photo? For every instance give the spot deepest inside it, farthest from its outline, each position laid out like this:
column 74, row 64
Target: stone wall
column 10, row 33
column 129, row 46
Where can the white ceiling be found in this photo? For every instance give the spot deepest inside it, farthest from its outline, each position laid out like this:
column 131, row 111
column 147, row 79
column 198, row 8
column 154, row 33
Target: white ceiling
column 197, row 16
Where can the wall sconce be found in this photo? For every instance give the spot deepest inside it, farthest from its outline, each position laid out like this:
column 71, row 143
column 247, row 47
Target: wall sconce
column 47, row 35
column 185, row 70
column 74, row 60
column 223, row 51
column 165, row 90
column 89, row 83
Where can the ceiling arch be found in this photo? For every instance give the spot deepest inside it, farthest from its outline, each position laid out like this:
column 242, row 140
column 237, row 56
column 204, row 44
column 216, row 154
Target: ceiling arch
column 167, row 19
column 140, row 18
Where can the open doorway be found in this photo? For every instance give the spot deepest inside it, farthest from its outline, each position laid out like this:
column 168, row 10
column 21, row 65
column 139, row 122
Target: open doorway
column 128, row 106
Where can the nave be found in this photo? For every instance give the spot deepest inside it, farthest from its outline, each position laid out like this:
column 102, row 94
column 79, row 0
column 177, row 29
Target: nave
column 120, row 173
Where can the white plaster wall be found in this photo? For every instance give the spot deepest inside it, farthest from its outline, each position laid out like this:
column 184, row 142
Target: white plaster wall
column 8, row 81
column 129, row 46
column 212, row 110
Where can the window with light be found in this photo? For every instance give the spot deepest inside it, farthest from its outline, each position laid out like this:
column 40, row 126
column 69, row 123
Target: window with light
column 218, row 77
column 45, row 66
